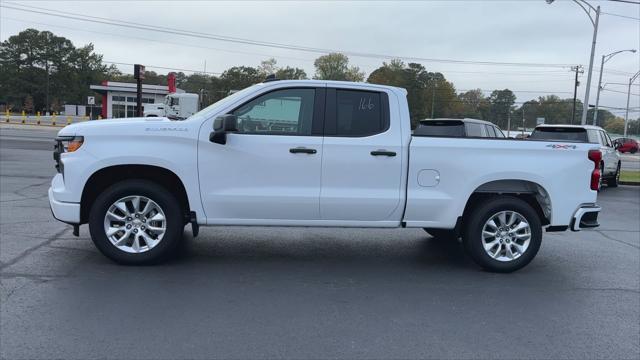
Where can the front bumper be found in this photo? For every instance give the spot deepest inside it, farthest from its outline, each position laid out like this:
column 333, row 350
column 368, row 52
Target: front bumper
column 64, row 211
column 585, row 217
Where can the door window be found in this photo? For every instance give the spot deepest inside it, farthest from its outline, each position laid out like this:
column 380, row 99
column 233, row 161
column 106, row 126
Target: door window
column 475, row 130
column 356, row 113
column 609, row 141
column 490, row 131
column 594, row 136
column 605, row 140
column 499, row 132
column 280, row 112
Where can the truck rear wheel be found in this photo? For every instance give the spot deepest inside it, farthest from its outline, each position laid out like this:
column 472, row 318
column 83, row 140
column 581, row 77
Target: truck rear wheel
column 136, row 222
column 502, row 234
column 614, row 181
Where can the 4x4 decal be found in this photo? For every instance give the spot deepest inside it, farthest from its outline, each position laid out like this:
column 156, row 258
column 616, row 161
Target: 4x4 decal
column 561, row 146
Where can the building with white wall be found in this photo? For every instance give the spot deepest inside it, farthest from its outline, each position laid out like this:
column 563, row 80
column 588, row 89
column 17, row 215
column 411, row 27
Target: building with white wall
column 119, row 98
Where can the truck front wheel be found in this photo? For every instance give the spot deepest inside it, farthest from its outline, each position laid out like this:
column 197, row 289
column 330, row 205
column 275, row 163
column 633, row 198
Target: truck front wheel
column 503, row 234
column 136, row 222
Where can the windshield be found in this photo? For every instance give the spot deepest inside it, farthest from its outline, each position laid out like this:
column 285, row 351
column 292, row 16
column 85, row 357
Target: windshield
column 560, row 133
column 213, row 108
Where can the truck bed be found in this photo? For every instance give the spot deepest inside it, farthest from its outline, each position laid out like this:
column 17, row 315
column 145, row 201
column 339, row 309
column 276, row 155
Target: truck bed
column 444, row 172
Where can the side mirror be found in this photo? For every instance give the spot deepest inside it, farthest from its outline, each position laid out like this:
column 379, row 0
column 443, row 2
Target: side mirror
column 221, row 126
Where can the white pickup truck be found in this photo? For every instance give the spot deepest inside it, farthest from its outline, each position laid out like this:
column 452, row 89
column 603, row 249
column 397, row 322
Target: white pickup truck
column 316, row 153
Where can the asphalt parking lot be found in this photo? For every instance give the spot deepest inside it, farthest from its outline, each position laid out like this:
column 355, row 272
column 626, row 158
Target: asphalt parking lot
column 238, row 292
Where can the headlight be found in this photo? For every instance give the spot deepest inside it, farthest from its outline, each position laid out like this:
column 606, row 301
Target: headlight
column 65, row 144
column 75, row 144
column 69, row 143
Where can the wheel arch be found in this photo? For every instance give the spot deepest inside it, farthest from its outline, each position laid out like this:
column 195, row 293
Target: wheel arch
column 531, row 192
column 107, row 176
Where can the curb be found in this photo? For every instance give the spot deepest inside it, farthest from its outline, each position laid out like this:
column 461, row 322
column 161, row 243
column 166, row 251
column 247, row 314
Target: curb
column 47, row 128
column 630, row 183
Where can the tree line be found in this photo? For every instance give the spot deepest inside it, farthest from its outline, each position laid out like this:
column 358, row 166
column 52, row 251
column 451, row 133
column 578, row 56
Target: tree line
column 40, row 71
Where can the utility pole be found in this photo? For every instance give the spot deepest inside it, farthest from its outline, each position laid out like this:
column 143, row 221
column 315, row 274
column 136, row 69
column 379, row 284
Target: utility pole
column 433, row 97
column 523, row 126
column 509, row 122
column 579, row 70
column 626, row 115
column 46, row 65
column 138, row 74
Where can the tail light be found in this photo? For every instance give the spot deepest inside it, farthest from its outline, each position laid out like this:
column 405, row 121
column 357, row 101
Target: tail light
column 596, row 157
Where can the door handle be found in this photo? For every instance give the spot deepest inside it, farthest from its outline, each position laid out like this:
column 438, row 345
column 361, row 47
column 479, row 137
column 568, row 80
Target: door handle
column 302, row 150
column 383, row 153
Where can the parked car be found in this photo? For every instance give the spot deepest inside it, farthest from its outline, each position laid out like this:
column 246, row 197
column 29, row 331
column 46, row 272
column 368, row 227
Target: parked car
column 626, row 145
column 458, row 128
column 341, row 155
column 586, row 134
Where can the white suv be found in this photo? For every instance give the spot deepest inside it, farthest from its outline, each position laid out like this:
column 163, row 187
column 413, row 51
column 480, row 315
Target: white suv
column 586, row 133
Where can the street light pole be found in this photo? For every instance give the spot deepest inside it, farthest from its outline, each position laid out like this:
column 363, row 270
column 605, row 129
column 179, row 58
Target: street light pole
column 594, row 21
column 626, row 115
column 605, row 58
column 585, row 106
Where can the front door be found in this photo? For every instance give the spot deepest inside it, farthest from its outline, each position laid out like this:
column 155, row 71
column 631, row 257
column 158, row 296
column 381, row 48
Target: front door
column 270, row 169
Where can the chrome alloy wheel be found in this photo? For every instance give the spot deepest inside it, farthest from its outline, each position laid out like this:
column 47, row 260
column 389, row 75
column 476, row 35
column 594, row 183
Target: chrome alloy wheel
column 135, row 224
column 506, row 236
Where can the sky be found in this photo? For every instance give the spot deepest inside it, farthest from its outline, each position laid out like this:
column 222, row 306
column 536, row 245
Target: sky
column 555, row 35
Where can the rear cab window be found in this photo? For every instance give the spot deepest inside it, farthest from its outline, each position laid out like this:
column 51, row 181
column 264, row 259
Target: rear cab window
column 560, row 133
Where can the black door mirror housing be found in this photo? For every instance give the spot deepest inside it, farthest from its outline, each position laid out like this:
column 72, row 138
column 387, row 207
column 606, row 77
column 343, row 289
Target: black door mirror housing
column 221, row 126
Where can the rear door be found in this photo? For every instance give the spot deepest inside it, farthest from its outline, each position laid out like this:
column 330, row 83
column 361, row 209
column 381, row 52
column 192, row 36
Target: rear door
column 361, row 160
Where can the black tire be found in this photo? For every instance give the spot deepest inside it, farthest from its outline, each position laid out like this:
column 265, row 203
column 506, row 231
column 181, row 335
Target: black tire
column 633, row 151
column 615, row 180
column 442, row 233
column 167, row 202
column 480, row 214
column 602, row 179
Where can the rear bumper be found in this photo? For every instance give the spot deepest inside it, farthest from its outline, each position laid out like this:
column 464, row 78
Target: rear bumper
column 64, row 211
column 585, row 217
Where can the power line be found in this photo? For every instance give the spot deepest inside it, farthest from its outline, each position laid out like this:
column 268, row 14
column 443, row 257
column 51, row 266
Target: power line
column 553, row 73
column 164, row 68
column 620, row 92
column 187, row 33
column 627, row 1
column 622, row 16
column 154, row 40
